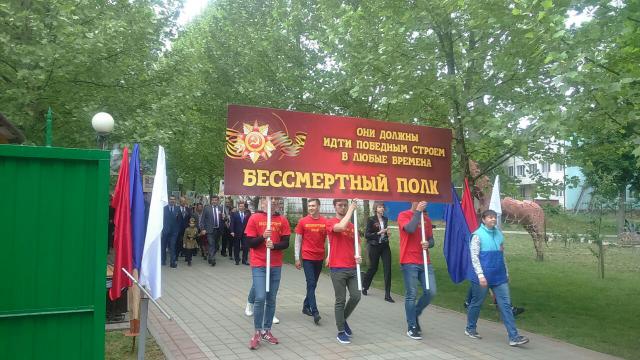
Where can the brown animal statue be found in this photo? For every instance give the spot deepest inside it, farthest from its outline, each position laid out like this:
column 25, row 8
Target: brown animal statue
column 526, row 213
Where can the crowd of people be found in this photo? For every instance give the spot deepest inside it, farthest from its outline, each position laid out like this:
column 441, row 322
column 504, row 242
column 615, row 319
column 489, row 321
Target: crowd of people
column 250, row 238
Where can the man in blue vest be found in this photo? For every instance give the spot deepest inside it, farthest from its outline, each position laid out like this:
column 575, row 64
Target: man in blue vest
column 490, row 272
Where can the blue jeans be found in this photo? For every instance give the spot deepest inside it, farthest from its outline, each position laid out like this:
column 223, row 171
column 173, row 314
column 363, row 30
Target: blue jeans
column 264, row 304
column 478, row 294
column 312, row 269
column 413, row 274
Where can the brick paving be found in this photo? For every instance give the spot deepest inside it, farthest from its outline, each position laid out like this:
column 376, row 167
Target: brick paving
column 207, row 304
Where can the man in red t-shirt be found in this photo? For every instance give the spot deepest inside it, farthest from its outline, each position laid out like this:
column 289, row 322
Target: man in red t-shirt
column 342, row 263
column 259, row 238
column 412, row 264
column 311, row 235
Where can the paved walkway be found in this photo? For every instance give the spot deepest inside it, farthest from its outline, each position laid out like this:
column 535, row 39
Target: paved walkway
column 208, row 303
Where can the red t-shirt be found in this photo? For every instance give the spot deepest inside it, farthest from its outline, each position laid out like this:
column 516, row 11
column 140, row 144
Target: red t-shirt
column 256, row 226
column 342, row 252
column 410, row 247
column 314, row 234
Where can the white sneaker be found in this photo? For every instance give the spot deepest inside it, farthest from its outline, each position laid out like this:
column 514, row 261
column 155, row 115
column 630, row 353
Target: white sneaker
column 249, row 309
column 276, row 320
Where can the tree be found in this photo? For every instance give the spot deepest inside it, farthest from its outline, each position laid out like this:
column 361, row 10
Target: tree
column 602, row 83
column 80, row 58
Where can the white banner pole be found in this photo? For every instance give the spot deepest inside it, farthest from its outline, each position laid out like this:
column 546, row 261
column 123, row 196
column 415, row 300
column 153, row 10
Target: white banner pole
column 424, row 253
column 357, row 248
column 268, row 250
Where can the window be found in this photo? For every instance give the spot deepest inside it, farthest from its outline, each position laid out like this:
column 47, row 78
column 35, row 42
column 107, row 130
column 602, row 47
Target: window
column 559, row 167
column 560, row 193
column 522, row 192
column 510, row 171
column 520, row 170
column 545, row 167
column 532, row 168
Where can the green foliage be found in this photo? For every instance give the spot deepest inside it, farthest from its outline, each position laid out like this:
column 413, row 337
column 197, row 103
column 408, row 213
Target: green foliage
column 484, row 69
column 601, row 80
column 80, row 58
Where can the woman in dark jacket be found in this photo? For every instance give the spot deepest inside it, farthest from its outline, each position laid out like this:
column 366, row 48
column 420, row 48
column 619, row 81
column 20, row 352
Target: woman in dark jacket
column 377, row 235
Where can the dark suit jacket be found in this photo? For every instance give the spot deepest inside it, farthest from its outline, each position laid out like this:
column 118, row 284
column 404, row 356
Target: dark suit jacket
column 238, row 225
column 184, row 220
column 208, row 221
column 172, row 221
column 373, row 226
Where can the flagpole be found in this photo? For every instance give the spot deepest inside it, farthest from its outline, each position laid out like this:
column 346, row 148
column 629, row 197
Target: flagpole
column 142, row 335
column 142, row 288
column 144, row 309
column 268, row 277
column 355, row 240
column 424, row 253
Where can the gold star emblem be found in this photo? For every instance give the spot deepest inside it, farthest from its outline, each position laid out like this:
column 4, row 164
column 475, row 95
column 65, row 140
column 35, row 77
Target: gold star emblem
column 255, row 142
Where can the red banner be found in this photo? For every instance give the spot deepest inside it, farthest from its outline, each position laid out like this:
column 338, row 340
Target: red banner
column 286, row 153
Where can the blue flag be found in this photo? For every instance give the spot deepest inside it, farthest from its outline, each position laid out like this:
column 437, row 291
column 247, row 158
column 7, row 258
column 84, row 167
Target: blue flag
column 138, row 224
column 456, row 240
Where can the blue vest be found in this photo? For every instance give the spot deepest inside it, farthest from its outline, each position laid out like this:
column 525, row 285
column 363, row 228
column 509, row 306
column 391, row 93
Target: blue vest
column 491, row 257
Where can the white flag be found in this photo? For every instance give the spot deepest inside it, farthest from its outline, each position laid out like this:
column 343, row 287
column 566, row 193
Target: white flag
column 150, row 273
column 494, row 204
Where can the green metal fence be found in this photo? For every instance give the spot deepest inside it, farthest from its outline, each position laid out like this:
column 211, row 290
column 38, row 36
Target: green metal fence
column 53, row 241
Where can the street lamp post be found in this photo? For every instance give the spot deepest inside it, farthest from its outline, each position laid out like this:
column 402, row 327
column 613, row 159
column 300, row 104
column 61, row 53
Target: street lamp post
column 103, row 125
column 180, row 181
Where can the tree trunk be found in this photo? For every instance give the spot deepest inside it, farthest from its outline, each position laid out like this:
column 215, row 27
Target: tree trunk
column 445, row 39
column 622, row 199
column 305, row 209
column 601, row 258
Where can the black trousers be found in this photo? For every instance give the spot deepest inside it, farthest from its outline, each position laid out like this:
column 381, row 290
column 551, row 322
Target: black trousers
column 227, row 243
column 377, row 252
column 240, row 245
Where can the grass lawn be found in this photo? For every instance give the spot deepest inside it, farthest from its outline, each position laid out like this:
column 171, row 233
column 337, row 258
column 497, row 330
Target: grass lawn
column 563, row 296
column 569, row 223
column 118, row 347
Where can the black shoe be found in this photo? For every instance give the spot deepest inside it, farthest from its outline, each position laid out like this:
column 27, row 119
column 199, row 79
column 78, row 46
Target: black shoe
column 516, row 311
column 189, row 262
column 316, row 319
column 246, row 263
column 237, row 262
column 418, row 328
column 389, row 299
column 413, row 333
column 224, row 254
column 364, row 292
column 213, row 263
column 174, row 265
column 306, row 311
column 230, row 257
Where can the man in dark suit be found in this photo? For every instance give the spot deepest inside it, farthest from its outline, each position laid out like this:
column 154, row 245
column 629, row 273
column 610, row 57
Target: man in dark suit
column 170, row 231
column 239, row 221
column 227, row 238
column 184, row 214
column 212, row 226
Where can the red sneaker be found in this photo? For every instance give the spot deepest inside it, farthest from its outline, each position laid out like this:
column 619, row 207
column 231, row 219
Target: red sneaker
column 255, row 341
column 268, row 337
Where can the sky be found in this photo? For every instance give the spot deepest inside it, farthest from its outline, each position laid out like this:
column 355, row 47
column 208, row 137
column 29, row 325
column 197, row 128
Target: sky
column 192, row 8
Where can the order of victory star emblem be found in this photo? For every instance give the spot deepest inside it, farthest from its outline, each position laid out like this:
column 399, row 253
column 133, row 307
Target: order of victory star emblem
column 255, row 143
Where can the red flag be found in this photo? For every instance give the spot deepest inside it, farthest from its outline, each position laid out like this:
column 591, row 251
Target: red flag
column 122, row 232
column 468, row 209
